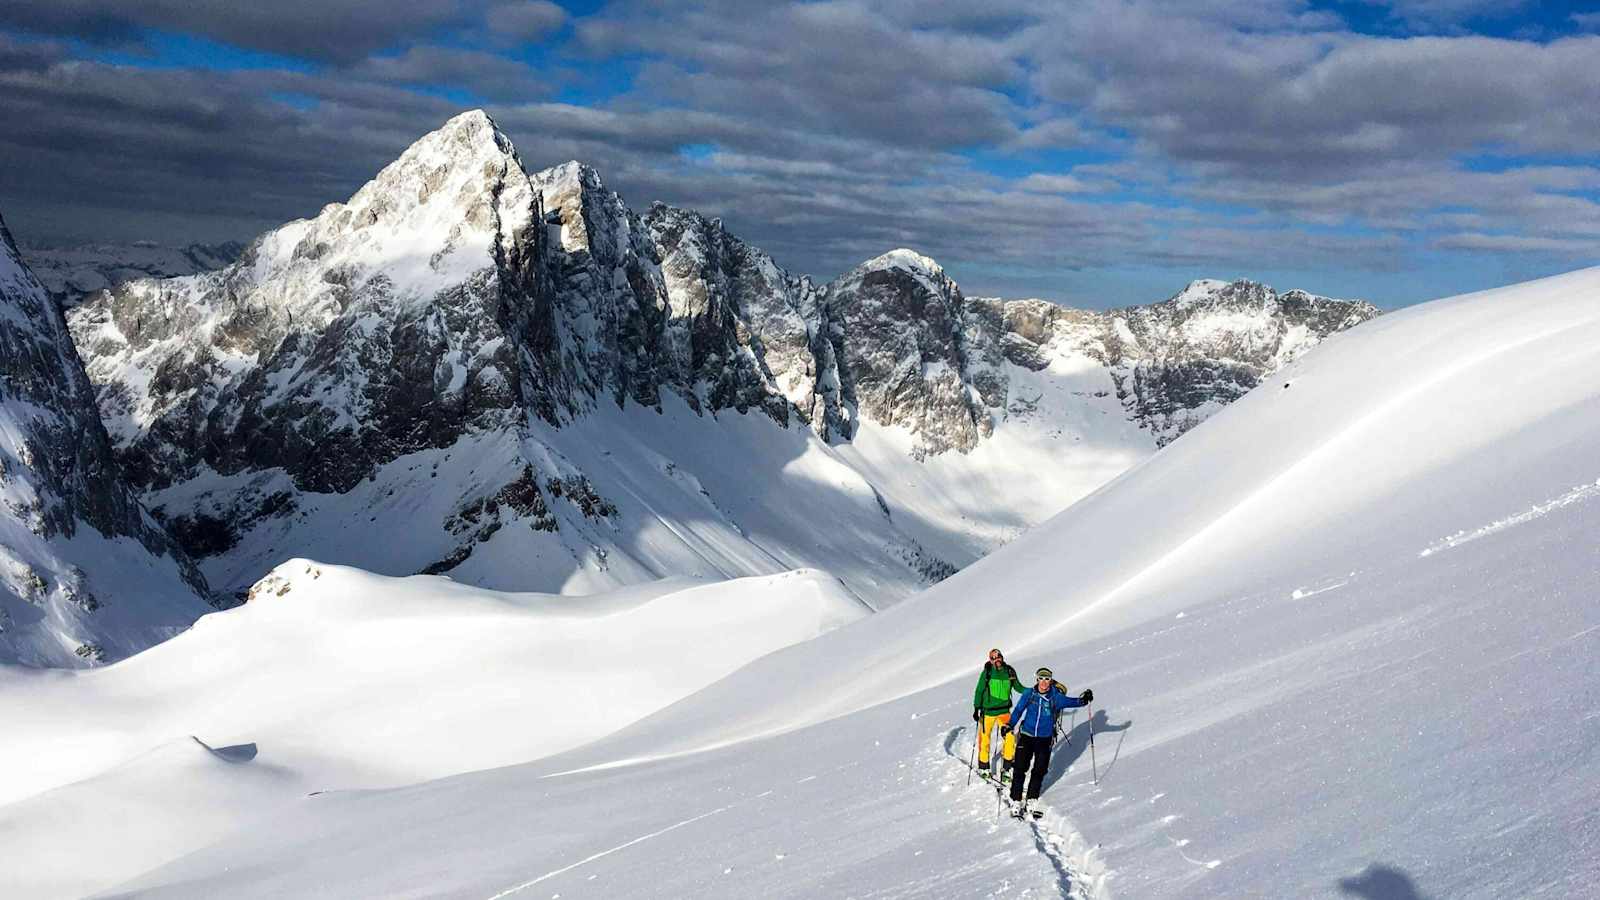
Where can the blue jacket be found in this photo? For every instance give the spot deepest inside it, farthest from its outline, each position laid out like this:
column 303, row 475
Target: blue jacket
column 1035, row 713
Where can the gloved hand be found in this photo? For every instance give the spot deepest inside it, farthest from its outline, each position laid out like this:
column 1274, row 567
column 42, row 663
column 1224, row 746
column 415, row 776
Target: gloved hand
column 977, row 716
column 1005, row 730
column 1087, row 696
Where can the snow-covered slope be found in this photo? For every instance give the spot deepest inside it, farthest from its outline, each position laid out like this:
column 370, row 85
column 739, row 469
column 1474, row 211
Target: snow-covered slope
column 85, row 575
column 332, row 678
column 1342, row 634
column 430, row 352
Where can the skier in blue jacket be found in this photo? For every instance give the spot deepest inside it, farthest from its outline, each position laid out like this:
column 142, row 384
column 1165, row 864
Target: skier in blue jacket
column 1034, row 720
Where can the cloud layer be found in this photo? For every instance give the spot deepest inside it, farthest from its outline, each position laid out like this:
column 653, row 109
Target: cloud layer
column 1085, row 151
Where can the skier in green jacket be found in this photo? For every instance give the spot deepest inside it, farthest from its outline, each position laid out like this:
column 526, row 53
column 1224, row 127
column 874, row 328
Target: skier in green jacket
column 991, row 708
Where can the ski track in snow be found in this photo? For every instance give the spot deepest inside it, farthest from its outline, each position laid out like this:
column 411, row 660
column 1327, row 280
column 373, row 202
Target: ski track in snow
column 1081, row 873
column 603, row 853
column 1576, row 495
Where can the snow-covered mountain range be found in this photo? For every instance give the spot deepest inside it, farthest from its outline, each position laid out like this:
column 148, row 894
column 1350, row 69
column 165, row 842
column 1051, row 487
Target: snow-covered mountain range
column 72, row 272
column 516, row 379
column 85, row 572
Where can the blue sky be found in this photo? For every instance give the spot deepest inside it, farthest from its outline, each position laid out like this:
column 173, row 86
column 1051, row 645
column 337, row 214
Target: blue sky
column 1100, row 152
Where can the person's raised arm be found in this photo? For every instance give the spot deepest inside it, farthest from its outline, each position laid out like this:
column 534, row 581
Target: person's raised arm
column 1062, row 701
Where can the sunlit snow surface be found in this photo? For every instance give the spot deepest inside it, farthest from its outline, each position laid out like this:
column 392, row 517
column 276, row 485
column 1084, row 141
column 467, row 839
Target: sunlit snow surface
column 336, row 678
column 1291, row 701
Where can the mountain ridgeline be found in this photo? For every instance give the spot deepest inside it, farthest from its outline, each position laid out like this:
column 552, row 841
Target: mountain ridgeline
column 85, row 573
column 514, row 378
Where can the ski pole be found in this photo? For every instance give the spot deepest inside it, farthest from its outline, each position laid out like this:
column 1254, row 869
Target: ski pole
column 1092, row 762
column 977, row 726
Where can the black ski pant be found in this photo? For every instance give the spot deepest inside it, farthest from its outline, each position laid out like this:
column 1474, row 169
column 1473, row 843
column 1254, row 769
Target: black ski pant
column 1031, row 752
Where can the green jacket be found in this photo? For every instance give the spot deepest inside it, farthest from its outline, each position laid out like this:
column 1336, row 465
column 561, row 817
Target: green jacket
column 993, row 694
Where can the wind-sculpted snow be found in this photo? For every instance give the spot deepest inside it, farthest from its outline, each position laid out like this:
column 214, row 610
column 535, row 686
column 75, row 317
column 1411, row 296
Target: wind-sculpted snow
column 410, row 354
column 85, row 575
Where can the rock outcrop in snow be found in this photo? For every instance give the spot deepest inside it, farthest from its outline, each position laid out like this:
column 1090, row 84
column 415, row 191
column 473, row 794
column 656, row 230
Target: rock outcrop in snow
column 85, row 574
column 425, row 349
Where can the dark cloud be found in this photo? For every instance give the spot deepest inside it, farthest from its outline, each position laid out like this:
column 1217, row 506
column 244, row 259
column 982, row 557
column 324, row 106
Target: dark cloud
column 1202, row 136
column 1319, row 103
column 125, row 145
column 525, row 21
column 836, row 68
column 338, row 30
column 478, row 72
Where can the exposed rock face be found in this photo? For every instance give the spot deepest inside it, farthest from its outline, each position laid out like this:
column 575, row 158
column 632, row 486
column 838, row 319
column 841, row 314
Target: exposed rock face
column 920, row 355
column 916, row 353
column 389, row 324
column 85, row 574
column 1178, row 361
column 423, row 353
column 71, row 273
column 757, row 337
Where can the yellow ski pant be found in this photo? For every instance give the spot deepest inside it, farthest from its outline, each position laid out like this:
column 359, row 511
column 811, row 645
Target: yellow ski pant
column 1008, row 748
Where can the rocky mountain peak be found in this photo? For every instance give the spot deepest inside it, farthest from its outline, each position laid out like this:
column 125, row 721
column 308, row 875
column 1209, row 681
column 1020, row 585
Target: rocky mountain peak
column 465, row 140
column 1200, row 290
column 343, row 341
column 916, row 353
column 438, row 203
column 587, row 213
column 903, row 258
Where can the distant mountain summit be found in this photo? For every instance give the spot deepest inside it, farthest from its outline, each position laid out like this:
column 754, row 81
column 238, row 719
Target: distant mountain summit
column 85, row 574
column 1179, row 361
column 515, row 378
